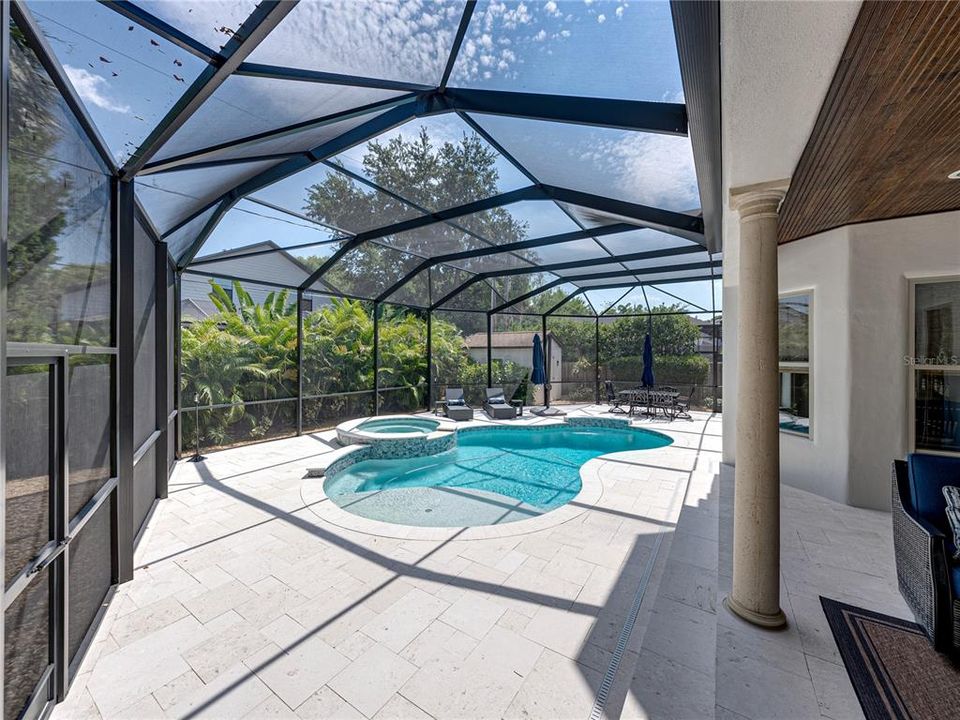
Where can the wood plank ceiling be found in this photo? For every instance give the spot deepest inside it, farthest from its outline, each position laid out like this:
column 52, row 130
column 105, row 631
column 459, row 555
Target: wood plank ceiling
column 888, row 133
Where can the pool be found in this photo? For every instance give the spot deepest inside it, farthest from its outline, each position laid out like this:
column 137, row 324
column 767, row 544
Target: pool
column 492, row 476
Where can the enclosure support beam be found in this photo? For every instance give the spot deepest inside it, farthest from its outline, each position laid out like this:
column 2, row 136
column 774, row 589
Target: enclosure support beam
column 299, row 362
column 376, row 358
column 653, row 117
column 546, row 361
column 402, row 112
column 489, row 350
column 552, row 267
column 265, row 17
column 126, row 259
column 4, row 225
column 596, row 356
column 429, row 360
column 177, row 325
column 163, row 353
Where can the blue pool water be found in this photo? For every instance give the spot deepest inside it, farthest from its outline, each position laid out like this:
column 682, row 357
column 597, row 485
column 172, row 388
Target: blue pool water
column 399, row 425
column 531, row 471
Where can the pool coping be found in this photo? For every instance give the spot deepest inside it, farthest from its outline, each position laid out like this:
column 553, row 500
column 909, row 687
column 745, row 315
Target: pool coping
column 320, row 504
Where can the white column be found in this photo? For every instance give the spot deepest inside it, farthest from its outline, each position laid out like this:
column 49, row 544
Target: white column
column 756, row 510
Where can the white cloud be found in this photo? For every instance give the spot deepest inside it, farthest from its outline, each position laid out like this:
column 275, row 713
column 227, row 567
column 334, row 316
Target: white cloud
column 619, row 11
column 93, row 89
column 658, row 170
column 551, row 8
column 601, row 18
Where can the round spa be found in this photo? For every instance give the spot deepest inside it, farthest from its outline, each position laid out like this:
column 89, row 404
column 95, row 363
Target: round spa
column 389, row 427
column 491, row 476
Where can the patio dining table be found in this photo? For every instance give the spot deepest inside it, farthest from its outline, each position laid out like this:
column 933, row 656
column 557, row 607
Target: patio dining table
column 653, row 400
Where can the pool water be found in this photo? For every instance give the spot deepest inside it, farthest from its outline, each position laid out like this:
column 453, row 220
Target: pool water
column 493, row 475
column 399, row 425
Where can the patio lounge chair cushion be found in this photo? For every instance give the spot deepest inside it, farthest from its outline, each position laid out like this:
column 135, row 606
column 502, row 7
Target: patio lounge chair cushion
column 497, row 399
column 952, row 495
column 929, row 474
column 456, row 401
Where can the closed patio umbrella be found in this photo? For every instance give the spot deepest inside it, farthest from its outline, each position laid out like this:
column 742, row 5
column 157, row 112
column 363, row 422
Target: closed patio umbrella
column 538, row 376
column 647, row 378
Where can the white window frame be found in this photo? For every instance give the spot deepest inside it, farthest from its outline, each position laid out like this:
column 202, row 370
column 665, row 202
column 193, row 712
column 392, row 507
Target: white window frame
column 787, row 366
column 912, row 367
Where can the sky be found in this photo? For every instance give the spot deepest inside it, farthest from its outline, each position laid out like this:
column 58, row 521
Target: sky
column 129, row 79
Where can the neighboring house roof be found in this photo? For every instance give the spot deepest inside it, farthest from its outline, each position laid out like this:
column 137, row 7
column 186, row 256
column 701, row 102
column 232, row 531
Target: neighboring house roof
column 196, row 308
column 275, row 265
column 505, row 340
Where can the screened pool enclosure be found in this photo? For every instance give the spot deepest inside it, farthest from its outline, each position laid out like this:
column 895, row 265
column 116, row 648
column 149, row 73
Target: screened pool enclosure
column 224, row 222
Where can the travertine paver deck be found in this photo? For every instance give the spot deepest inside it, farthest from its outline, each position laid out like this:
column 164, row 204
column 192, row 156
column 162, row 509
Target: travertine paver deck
column 246, row 603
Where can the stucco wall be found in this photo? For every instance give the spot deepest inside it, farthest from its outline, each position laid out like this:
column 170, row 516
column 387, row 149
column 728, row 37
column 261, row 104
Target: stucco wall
column 859, row 275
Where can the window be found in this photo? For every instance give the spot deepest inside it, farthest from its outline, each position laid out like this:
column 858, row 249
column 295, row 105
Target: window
column 934, row 364
column 795, row 389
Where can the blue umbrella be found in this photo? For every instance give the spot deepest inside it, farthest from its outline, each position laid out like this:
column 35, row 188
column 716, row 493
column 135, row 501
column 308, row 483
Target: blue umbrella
column 538, row 376
column 647, row 378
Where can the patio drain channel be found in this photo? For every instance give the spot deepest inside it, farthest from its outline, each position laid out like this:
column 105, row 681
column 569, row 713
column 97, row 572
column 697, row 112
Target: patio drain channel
column 601, row 700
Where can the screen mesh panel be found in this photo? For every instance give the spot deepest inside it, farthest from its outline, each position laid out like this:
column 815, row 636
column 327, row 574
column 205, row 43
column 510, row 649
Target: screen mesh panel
column 244, row 106
column 90, row 576
column 403, row 360
column 171, row 197
column 637, row 167
column 379, row 39
column 249, row 224
column 572, row 351
column 439, row 147
column 212, row 22
column 127, row 77
column 539, row 48
column 145, row 337
column 333, row 198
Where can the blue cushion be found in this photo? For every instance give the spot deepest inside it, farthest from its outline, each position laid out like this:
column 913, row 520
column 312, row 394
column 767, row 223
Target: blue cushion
column 928, row 475
column 496, row 400
column 955, row 578
column 456, row 401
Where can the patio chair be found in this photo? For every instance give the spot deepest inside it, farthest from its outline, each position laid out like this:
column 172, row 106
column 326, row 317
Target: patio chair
column 681, row 404
column 928, row 568
column 612, row 397
column 496, row 405
column 456, row 407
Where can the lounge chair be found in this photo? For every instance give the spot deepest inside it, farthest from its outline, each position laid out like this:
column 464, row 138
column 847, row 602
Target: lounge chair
column 496, row 405
column 456, row 407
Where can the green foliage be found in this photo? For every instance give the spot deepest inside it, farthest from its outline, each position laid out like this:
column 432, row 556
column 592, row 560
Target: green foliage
column 247, row 352
column 676, row 370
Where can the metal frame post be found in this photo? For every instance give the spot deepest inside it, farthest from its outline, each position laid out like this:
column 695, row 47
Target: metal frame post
column 299, row 361
column 596, row 357
column 429, row 359
column 177, row 342
column 546, row 362
column 376, row 358
column 162, row 410
column 489, row 350
column 4, row 224
column 124, row 219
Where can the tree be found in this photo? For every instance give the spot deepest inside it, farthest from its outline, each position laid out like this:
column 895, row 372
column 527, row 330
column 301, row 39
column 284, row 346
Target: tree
column 435, row 176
